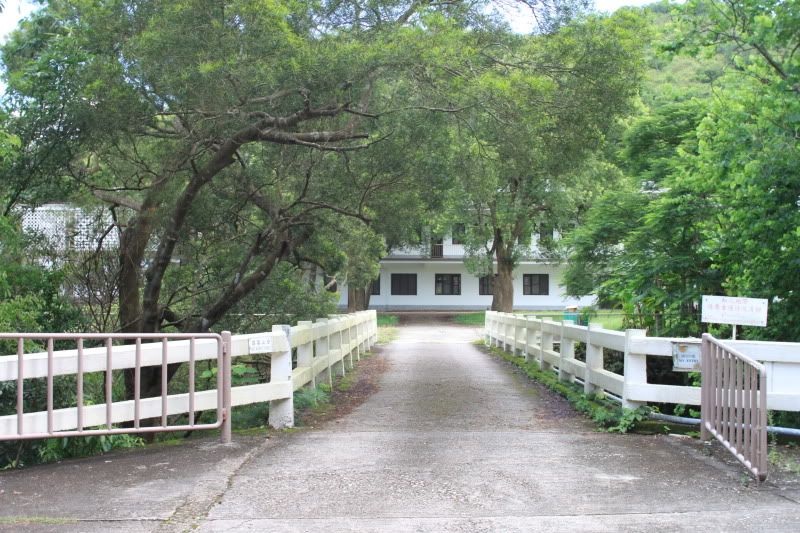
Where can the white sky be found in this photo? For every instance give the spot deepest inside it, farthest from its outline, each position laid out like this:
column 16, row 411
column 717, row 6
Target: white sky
column 14, row 10
column 521, row 21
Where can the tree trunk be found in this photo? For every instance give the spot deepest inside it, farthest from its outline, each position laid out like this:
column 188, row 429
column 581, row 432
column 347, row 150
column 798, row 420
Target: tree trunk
column 357, row 298
column 503, row 290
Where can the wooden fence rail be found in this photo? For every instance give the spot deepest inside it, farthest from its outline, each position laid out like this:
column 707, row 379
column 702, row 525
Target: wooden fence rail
column 537, row 338
column 323, row 348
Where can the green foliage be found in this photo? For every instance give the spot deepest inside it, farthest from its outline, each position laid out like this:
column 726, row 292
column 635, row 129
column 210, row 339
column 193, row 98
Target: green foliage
column 231, row 139
column 629, row 419
column 250, row 416
column 63, row 448
column 31, row 301
column 286, row 297
column 311, row 397
column 709, row 204
column 30, row 295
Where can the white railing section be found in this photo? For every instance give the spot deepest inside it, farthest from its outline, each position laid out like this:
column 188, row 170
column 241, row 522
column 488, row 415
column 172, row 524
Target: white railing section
column 535, row 339
column 324, row 348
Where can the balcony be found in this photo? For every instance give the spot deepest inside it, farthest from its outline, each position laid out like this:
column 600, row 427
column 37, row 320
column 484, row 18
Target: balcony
column 445, row 250
column 435, row 250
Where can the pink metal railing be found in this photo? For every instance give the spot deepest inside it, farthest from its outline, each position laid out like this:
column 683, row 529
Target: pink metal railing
column 734, row 404
column 223, row 402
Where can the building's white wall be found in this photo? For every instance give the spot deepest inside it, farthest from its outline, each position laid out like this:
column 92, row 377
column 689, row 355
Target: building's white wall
column 457, row 250
column 469, row 297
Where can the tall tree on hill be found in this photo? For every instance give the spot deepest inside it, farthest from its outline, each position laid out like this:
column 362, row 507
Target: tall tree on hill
column 712, row 202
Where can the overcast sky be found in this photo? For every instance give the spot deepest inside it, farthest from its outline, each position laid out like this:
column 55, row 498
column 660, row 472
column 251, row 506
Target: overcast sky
column 14, row 10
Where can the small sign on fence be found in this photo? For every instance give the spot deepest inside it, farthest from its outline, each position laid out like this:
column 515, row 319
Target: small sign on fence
column 260, row 344
column 686, row 356
column 734, row 310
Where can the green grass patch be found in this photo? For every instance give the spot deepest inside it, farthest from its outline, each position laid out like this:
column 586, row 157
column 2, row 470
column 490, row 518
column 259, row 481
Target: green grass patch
column 470, row 319
column 388, row 320
column 785, row 458
column 387, row 334
column 608, row 416
column 346, row 382
column 312, row 397
column 609, row 318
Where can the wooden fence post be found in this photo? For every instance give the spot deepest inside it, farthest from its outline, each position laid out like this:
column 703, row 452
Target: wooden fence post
column 594, row 359
column 305, row 350
column 336, row 344
column 281, row 412
column 566, row 352
column 545, row 344
column 323, row 346
column 530, row 337
column 534, row 337
column 520, row 338
column 635, row 370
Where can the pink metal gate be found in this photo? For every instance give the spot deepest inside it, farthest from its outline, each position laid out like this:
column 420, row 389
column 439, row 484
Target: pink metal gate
column 27, row 368
column 734, row 404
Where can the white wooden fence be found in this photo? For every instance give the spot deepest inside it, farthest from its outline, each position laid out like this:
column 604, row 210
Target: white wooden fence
column 537, row 338
column 324, row 347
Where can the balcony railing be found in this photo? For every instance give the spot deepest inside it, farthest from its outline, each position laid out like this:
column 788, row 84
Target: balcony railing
column 444, row 250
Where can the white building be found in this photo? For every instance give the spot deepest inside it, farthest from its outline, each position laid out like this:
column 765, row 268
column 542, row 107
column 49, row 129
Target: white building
column 68, row 228
column 417, row 278
column 429, row 277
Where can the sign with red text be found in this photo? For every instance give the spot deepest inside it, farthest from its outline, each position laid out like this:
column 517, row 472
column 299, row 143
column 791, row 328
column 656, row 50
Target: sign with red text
column 734, row 310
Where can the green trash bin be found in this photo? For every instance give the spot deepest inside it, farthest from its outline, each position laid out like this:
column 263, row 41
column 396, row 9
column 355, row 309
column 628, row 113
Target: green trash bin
column 571, row 313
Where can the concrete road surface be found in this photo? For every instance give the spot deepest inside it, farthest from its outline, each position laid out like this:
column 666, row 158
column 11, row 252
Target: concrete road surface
column 453, row 441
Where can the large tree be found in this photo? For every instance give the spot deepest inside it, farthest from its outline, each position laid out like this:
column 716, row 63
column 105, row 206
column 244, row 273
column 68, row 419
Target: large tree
column 223, row 136
column 711, row 205
column 540, row 107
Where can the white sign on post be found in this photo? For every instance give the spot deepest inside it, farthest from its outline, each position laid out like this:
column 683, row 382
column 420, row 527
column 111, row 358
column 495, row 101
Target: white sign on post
column 260, row 344
column 686, row 356
column 734, row 310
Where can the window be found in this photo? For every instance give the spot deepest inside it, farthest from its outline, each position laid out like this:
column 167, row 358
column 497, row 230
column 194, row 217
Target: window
column 448, row 284
column 404, row 284
column 459, row 230
column 330, row 283
column 437, row 248
column 486, row 285
column 375, row 286
column 536, row 284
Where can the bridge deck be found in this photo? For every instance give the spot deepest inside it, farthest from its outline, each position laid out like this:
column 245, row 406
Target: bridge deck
column 453, row 440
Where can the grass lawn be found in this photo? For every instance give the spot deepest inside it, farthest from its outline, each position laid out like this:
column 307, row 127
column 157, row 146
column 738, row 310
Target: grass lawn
column 609, row 318
column 470, row 319
column 387, row 320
